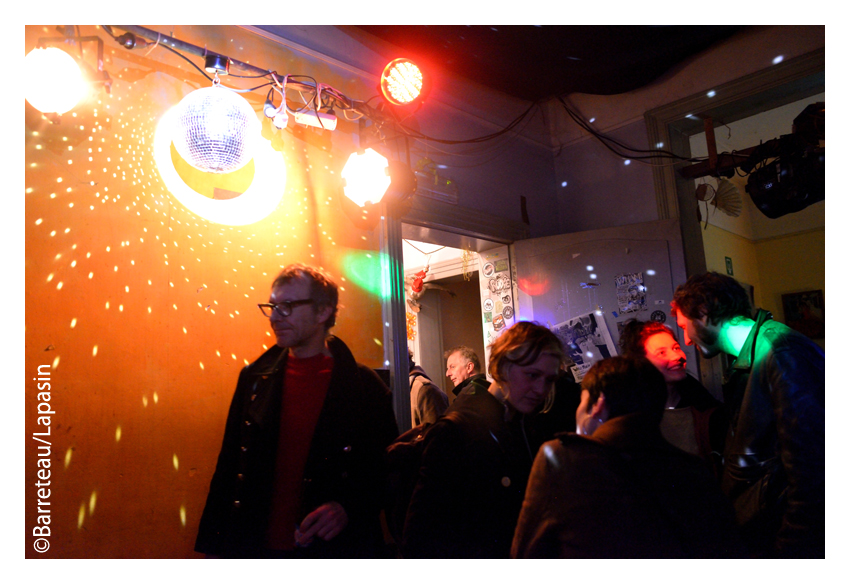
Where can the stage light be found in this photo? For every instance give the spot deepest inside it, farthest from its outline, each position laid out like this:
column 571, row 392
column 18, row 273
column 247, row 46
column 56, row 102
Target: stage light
column 369, row 177
column 53, row 81
column 366, row 177
column 215, row 129
column 402, row 82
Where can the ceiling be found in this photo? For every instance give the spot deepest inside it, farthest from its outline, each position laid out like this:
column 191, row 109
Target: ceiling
column 539, row 62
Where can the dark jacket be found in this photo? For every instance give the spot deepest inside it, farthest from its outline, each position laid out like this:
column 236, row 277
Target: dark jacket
column 345, row 461
column 774, row 462
column 623, row 493
column 471, row 483
column 697, row 424
column 477, row 378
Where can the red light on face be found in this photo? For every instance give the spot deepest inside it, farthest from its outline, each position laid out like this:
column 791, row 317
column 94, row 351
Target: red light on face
column 401, row 82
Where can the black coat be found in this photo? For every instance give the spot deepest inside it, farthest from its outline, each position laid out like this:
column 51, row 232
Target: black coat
column 623, row 493
column 345, row 462
column 471, row 483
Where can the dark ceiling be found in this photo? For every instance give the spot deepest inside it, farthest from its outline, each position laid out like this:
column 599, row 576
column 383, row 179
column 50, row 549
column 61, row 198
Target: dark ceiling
column 538, row 62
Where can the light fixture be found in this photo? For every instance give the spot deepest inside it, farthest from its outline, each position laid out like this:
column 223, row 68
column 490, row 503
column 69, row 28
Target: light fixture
column 254, row 204
column 54, row 82
column 369, row 178
column 402, row 82
column 214, row 63
column 215, row 129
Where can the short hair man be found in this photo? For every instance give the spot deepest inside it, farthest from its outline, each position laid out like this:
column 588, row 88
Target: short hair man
column 773, row 462
column 427, row 401
column 462, row 366
column 618, row 489
column 301, row 465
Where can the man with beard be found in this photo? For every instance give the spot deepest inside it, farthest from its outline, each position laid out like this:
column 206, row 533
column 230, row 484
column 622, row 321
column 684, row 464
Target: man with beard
column 773, row 460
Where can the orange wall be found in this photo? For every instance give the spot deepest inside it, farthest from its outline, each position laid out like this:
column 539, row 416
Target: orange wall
column 146, row 312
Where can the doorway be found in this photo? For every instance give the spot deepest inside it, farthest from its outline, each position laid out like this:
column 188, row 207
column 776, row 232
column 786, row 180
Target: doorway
column 442, row 302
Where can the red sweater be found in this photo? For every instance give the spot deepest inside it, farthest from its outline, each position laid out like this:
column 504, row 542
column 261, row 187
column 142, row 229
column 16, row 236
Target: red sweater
column 305, row 387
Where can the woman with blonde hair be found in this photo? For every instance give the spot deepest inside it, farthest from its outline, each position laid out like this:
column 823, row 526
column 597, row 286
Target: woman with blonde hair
column 478, row 457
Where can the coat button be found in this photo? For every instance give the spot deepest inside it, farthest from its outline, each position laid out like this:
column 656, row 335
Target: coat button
column 237, row 504
column 506, row 481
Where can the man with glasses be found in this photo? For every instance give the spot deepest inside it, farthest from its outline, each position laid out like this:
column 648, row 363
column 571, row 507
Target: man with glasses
column 301, row 470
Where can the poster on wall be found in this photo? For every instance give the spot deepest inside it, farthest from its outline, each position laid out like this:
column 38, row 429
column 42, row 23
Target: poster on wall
column 587, row 340
column 631, row 292
column 497, row 302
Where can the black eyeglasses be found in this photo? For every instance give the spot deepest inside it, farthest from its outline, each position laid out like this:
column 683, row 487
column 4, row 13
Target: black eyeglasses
column 283, row 308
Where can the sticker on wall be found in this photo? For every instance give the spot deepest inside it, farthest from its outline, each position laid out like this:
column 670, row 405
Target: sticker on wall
column 501, row 265
column 498, row 322
column 499, row 283
column 508, row 312
column 499, row 306
column 658, row 316
column 506, row 299
column 488, row 305
column 631, row 293
column 488, row 317
column 489, row 270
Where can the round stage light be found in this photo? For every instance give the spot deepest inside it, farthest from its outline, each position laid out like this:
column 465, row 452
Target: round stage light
column 366, row 177
column 401, row 82
column 53, row 81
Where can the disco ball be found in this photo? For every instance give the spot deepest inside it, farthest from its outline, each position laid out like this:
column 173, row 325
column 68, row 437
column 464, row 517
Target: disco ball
column 215, row 130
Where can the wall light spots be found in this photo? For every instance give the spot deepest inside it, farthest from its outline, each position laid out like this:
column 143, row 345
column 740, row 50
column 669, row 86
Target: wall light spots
column 175, row 462
column 118, row 434
column 92, row 502
column 144, row 401
column 81, row 516
column 778, row 59
column 55, row 362
column 94, row 351
column 68, row 454
column 183, row 515
column 155, row 397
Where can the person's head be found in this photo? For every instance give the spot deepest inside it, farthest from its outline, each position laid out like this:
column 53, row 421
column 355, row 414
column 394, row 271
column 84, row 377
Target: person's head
column 461, row 364
column 305, row 306
column 706, row 302
column 525, row 362
column 411, row 363
column 618, row 386
column 658, row 344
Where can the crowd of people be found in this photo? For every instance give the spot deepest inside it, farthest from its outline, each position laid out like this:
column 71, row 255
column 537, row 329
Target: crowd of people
column 637, row 461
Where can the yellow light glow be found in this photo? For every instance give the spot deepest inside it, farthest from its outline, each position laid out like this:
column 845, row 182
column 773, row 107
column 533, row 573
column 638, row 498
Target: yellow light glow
column 92, row 502
column 53, row 80
column 68, row 454
column 366, row 178
column 256, row 203
column 175, row 462
column 81, row 515
column 183, row 515
column 118, row 434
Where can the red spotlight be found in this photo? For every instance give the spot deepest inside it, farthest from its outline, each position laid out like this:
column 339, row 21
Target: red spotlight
column 402, row 82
